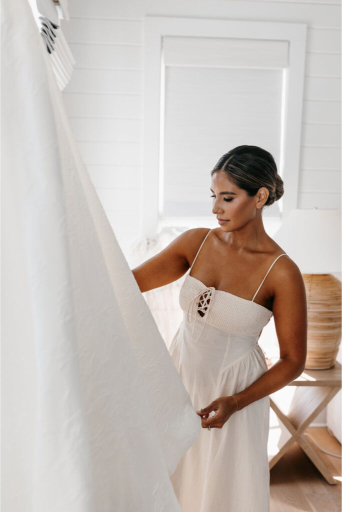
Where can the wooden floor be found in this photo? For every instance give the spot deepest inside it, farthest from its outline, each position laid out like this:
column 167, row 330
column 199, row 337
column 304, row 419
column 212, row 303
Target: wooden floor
column 296, row 484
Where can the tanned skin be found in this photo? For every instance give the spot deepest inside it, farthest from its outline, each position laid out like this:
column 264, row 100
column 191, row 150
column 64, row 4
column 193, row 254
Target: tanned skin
column 235, row 258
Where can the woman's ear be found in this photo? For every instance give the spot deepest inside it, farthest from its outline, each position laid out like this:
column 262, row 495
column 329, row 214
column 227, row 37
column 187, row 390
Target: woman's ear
column 262, row 197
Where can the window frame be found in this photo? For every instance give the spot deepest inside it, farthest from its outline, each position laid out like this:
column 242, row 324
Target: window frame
column 154, row 87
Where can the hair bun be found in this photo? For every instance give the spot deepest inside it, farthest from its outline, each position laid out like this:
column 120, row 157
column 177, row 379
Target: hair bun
column 279, row 189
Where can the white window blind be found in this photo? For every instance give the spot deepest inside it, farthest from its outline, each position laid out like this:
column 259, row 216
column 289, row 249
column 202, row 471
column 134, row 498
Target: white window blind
column 210, row 109
column 225, row 52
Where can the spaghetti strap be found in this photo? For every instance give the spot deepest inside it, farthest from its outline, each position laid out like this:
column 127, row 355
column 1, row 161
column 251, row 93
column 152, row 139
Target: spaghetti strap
column 284, row 254
column 199, row 250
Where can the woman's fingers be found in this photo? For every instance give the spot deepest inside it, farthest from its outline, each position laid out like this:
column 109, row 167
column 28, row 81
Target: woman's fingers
column 223, row 410
column 207, row 410
column 203, row 414
column 214, row 422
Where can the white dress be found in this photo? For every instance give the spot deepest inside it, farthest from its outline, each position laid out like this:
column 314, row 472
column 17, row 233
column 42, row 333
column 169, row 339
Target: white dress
column 225, row 470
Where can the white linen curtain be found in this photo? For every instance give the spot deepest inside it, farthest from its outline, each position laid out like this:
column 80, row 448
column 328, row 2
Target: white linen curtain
column 94, row 414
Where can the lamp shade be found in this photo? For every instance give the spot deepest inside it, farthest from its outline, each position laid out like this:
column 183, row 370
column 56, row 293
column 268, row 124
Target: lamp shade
column 312, row 239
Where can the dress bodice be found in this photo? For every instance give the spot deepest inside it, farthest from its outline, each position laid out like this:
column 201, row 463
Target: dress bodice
column 222, row 309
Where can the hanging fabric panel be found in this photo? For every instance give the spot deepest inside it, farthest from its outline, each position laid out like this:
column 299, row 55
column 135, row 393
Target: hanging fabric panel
column 94, row 414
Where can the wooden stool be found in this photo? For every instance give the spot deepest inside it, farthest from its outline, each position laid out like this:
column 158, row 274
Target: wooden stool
column 314, row 390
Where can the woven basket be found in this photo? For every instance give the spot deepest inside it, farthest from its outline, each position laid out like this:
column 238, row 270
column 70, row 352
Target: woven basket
column 323, row 292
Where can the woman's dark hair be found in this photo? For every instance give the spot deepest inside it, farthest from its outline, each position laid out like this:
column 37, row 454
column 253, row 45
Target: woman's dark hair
column 250, row 168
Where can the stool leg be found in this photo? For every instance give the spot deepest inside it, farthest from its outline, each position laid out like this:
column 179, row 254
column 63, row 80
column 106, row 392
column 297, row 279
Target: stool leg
column 316, row 460
column 307, row 403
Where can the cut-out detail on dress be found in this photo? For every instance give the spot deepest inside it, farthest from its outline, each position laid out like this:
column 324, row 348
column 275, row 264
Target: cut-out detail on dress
column 203, row 306
column 203, row 303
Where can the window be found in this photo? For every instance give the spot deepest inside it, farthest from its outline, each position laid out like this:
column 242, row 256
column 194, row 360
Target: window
column 211, row 85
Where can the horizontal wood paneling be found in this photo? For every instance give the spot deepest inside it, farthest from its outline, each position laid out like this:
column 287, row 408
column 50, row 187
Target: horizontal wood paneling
column 103, row 106
column 99, row 55
column 321, row 158
column 323, row 64
column 107, row 130
column 308, row 200
column 106, row 80
column 322, row 88
column 110, row 153
column 115, row 176
column 321, row 135
column 323, row 40
column 103, row 31
column 322, row 112
column 319, row 181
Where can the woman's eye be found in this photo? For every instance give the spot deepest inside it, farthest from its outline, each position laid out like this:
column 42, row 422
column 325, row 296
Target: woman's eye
column 224, row 199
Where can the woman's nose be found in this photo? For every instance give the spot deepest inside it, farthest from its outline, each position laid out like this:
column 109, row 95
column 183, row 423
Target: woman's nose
column 216, row 209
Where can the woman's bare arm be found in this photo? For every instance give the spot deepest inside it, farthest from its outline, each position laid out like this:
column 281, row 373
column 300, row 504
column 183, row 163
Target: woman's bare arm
column 171, row 263
column 290, row 317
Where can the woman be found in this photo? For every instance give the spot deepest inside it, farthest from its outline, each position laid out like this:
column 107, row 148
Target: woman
column 227, row 301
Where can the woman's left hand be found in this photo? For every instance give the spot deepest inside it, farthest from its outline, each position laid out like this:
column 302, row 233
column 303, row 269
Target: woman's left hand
column 224, row 407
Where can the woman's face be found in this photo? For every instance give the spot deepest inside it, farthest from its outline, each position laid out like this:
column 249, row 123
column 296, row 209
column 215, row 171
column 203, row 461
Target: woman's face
column 231, row 203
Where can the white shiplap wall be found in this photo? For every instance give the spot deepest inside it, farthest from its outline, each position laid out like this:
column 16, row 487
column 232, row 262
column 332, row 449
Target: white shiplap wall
column 104, row 97
column 104, row 104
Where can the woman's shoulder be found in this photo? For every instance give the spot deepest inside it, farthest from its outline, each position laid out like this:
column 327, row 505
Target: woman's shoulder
column 287, row 271
column 283, row 260
column 192, row 239
column 196, row 235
